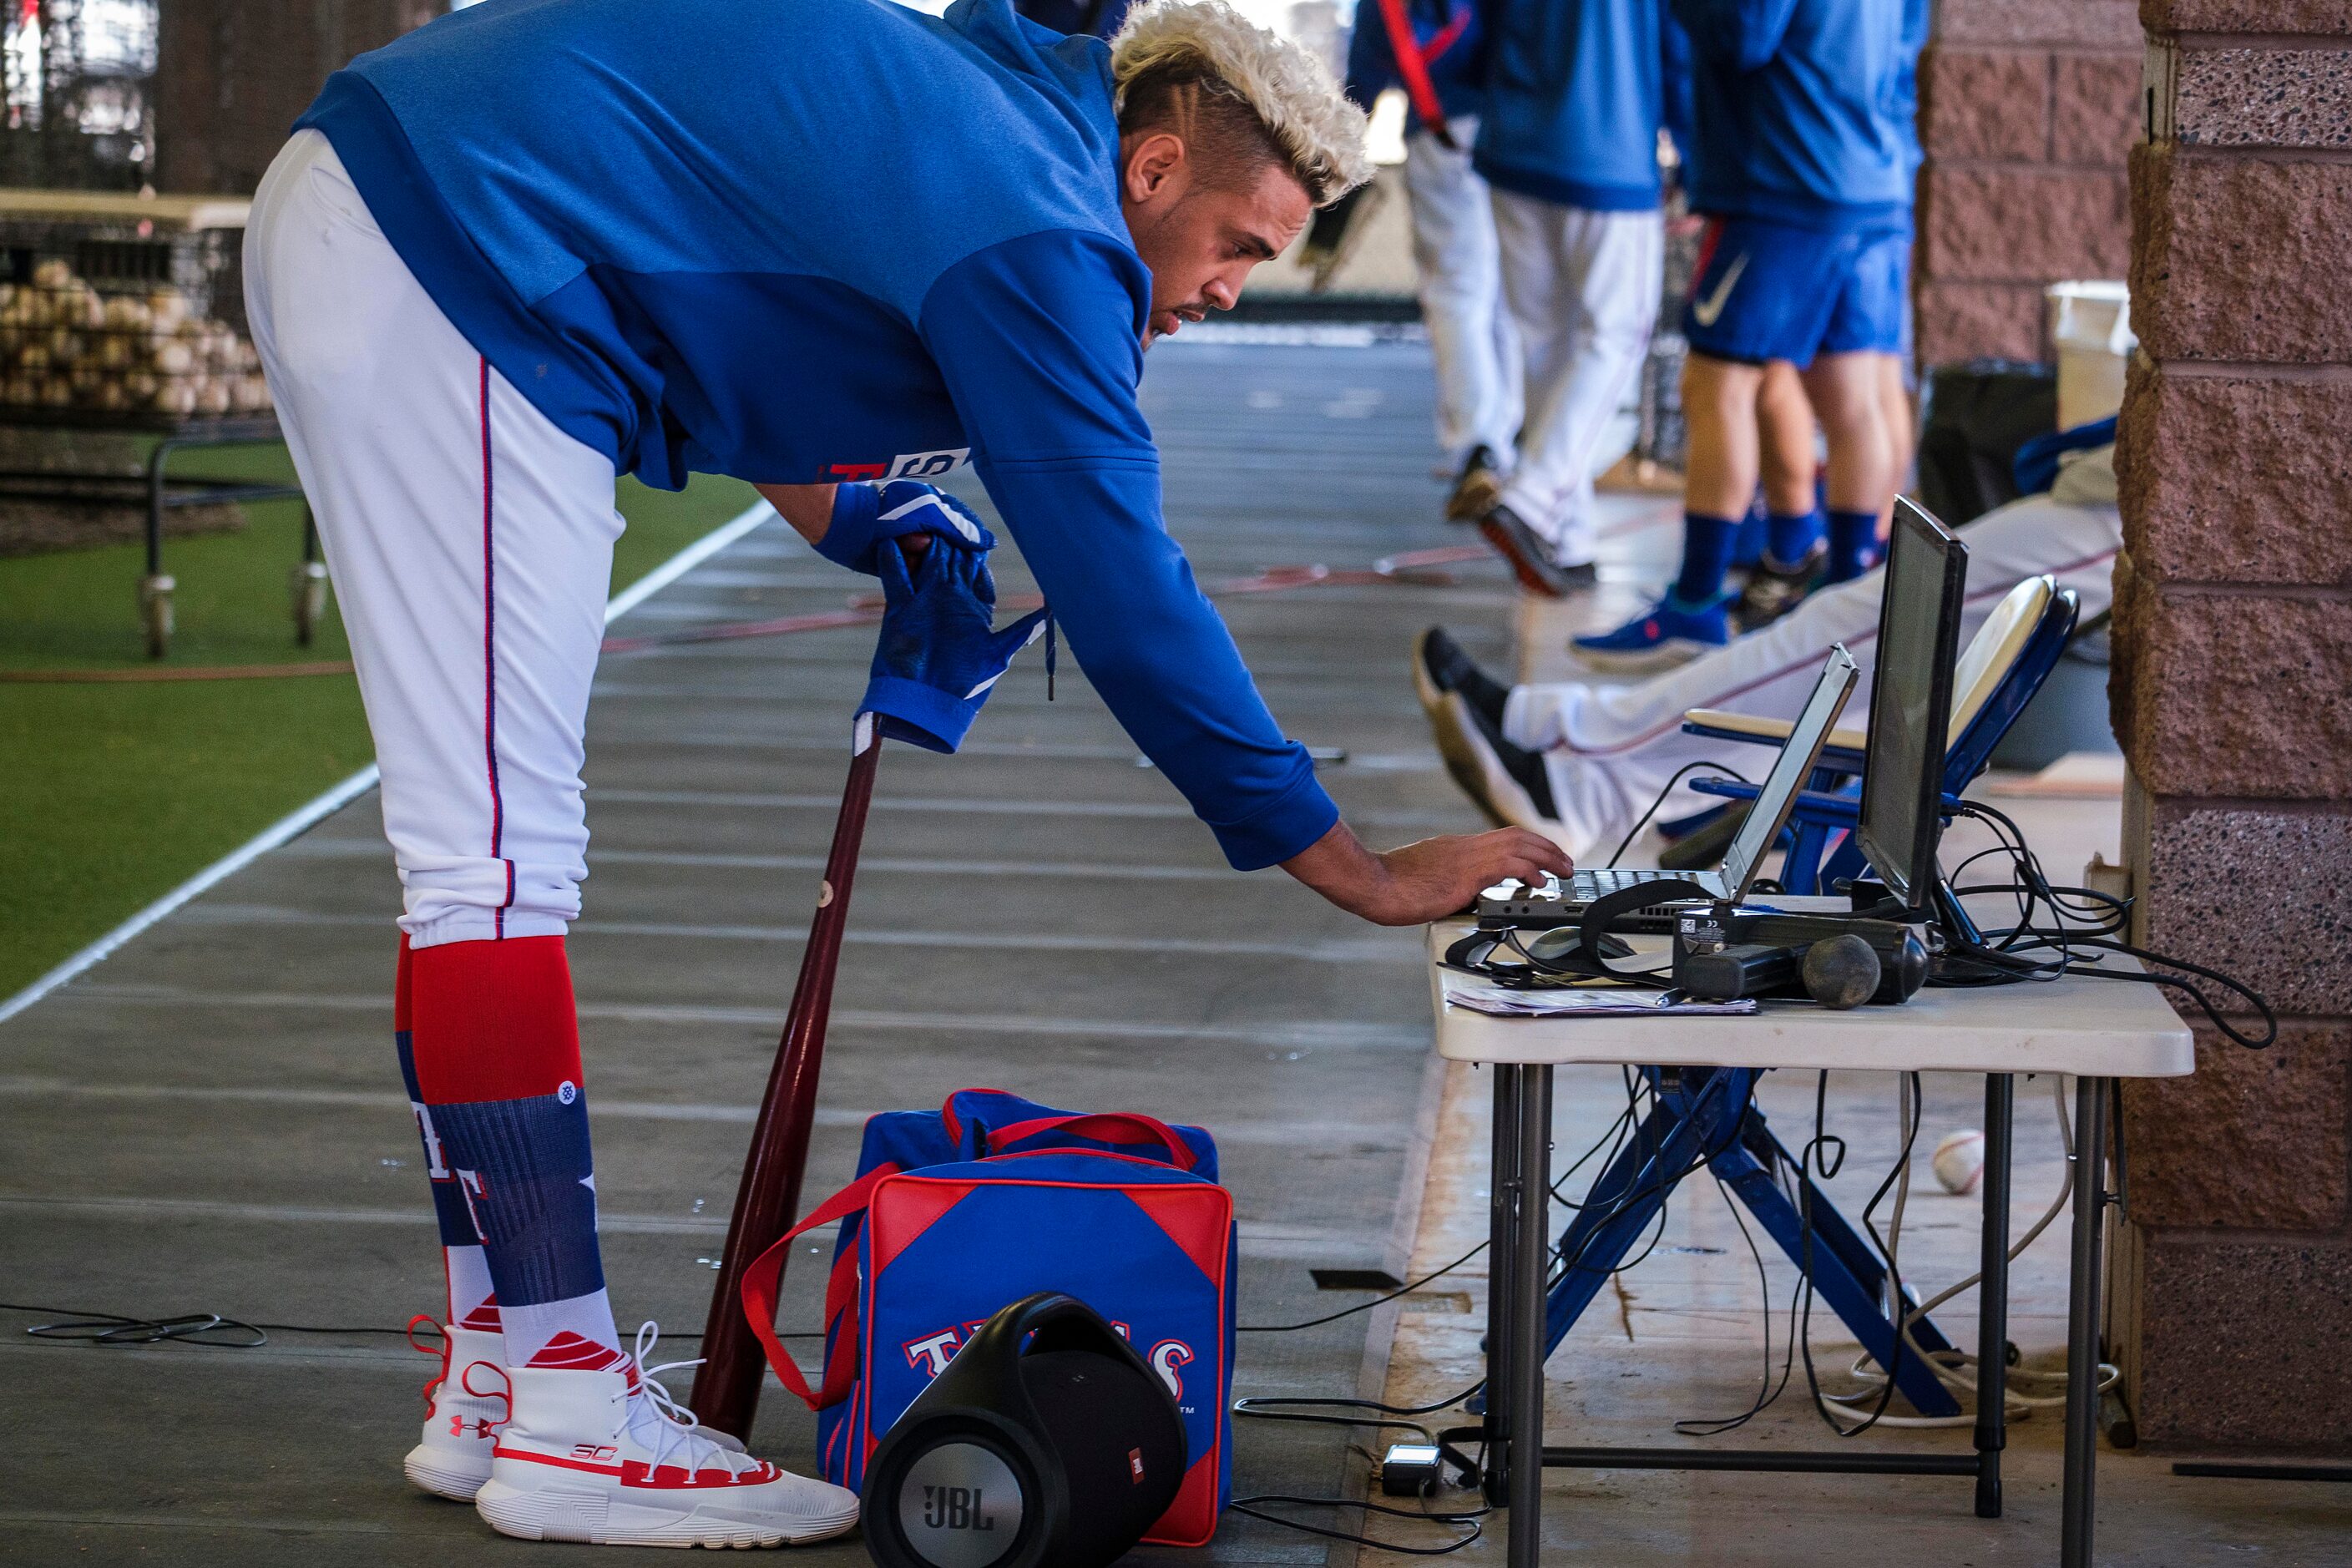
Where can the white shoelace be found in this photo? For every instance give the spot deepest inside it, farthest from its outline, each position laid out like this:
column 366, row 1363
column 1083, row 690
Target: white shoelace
column 676, row 1429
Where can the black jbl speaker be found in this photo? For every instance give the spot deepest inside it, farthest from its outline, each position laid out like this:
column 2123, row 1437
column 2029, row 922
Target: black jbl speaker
column 1047, row 1440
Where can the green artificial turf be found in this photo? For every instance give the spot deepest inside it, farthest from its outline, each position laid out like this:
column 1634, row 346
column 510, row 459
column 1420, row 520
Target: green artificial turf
column 112, row 795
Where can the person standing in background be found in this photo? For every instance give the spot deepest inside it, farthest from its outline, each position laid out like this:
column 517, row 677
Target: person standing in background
column 1806, row 175
column 1433, row 49
column 1569, row 141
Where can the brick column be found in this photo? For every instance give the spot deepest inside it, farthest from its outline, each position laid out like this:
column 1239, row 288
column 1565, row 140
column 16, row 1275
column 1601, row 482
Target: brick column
column 2027, row 109
column 2232, row 693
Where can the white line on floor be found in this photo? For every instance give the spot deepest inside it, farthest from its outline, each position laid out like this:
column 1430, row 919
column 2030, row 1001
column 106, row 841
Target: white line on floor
column 294, row 823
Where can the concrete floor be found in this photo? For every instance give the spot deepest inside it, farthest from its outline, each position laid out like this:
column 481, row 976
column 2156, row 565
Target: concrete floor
column 211, row 1120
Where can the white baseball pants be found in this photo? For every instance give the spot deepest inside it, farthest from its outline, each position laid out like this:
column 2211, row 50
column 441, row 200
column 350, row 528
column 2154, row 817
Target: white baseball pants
column 471, row 546
column 1608, row 750
column 1583, row 289
column 1471, row 335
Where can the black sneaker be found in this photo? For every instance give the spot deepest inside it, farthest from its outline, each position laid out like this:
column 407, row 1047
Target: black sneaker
column 1440, row 666
column 1531, row 557
column 1478, row 488
column 1773, row 590
column 1505, row 782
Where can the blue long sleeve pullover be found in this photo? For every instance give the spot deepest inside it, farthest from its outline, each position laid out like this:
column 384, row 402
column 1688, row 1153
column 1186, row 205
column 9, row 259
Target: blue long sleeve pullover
column 807, row 241
column 1797, row 109
column 1572, row 102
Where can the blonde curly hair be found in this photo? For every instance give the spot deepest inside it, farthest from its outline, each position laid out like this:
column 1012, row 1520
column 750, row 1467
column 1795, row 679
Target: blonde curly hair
column 1202, row 70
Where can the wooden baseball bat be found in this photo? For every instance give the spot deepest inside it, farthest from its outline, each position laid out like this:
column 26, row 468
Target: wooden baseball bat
column 727, row 1386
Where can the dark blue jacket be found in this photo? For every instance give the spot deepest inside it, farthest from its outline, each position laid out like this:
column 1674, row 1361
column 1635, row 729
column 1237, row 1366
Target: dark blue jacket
column 804, row 240
column 1451, row 44
column 1572, row 102
column 1798, row 109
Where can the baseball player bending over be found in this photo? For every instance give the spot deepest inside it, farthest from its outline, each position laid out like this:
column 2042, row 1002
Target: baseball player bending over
column 831, row 246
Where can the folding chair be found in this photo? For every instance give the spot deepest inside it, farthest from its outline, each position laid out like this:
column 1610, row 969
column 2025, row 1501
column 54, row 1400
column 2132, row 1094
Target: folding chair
column 1995, row 676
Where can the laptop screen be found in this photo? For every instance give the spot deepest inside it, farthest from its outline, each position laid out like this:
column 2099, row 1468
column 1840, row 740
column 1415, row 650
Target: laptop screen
column 1911, row 703
column 1779, row 794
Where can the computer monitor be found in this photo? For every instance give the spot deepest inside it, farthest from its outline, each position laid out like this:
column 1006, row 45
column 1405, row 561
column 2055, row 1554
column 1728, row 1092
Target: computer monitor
column 1911, row 703
column 1777, row 796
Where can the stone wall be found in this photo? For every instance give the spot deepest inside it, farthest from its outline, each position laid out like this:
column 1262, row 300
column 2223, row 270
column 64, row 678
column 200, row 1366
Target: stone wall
column 232, row 75
column 2233, row 695
column 2028, row 109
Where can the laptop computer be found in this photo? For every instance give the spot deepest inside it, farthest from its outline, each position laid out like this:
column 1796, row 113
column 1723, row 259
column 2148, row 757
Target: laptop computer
column 1554, row 901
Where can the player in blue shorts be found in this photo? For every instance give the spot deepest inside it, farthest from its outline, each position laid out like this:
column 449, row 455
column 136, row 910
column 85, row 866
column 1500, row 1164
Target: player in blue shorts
column 1802, row 164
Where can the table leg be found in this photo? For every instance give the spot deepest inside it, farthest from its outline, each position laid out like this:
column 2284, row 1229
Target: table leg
column 1502, row 1239
column 1992, row 1295
column 2079, row 1507
column 1529, row 1276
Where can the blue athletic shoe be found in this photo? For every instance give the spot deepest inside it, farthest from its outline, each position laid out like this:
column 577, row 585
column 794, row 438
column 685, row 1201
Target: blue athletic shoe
column 1665, row 635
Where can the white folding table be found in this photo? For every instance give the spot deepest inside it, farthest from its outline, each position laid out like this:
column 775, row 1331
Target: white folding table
column 2099, row 1030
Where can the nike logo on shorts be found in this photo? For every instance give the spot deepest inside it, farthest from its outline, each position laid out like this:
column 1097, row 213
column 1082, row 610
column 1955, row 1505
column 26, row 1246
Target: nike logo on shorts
column 1705, row 312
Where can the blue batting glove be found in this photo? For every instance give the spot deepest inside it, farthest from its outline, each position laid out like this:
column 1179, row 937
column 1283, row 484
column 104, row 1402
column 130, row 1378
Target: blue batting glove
column 866, row 517
column 939, row 653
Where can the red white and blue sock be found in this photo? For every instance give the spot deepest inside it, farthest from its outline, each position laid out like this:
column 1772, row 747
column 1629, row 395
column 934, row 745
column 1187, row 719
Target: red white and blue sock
column 473, row 1301
column 492, row 1055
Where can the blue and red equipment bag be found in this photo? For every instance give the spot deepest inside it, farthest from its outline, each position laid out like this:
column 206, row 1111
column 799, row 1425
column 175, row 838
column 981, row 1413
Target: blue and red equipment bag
column 959, row 1212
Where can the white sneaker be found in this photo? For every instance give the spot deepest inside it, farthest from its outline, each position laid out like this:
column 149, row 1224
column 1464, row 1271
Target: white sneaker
column 468, row 1404
column 599, row 1457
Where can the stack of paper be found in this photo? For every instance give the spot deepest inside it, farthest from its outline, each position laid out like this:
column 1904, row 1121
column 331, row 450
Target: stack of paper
column 1594, row 1002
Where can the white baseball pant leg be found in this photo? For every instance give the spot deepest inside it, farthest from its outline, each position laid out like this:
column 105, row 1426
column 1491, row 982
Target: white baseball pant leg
column 471, row 546
column 1471, row 335
column 1583, row 290
column 1608, row 750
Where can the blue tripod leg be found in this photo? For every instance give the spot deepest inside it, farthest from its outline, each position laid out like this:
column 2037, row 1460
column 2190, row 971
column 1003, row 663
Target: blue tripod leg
column 1857, row 1300
column 1671, row 1138
column 1833, row 1231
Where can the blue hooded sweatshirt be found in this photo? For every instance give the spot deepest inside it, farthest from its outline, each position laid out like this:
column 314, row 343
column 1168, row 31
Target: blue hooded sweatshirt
column 807, row 241
column 1797, row 107
column 1451, row 44
column 1572, row 103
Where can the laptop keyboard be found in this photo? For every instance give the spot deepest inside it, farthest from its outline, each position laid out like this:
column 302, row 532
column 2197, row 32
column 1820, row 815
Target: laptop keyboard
column 1585, row 887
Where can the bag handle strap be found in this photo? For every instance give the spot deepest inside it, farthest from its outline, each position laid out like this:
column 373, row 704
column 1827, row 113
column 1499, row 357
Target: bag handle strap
column 764, row 1280
column 1109, row 1127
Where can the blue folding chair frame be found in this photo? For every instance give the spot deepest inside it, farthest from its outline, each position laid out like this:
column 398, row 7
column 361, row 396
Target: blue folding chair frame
column 1707, row 1117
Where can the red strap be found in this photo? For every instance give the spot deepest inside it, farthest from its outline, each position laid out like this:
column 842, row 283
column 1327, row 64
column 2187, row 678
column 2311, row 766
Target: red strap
column 1414, row 67
column 1108, row 1127
column 764, row 1279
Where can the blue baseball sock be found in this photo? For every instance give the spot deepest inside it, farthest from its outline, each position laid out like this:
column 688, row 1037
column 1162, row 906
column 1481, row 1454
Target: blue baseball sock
column 1707, row 555
column 1792, row 536
column 1853, row 538
column 1754, row 534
